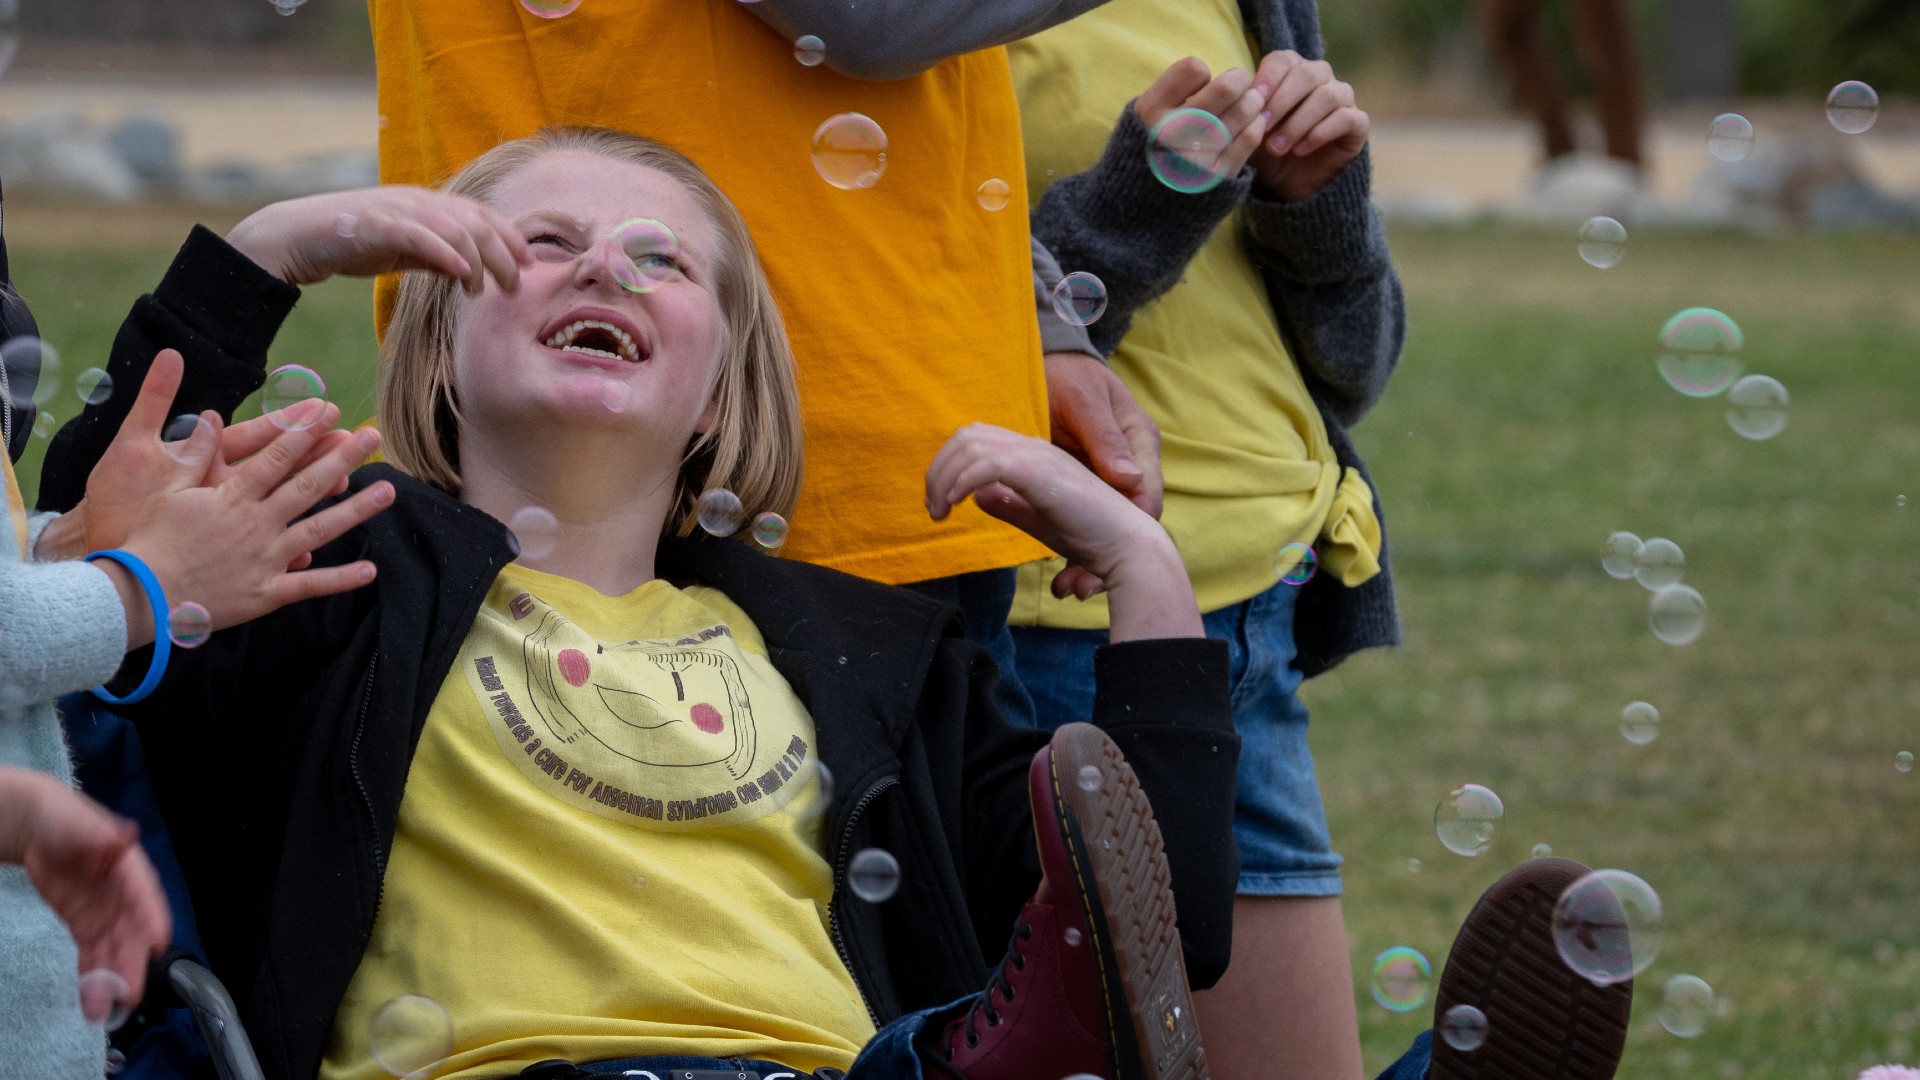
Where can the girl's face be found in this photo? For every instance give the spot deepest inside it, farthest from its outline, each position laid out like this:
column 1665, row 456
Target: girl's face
column 574, row 350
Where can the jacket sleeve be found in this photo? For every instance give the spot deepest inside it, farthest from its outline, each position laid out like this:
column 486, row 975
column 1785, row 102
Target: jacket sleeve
column 1166, row 704
column 895, row 39
column 221, row 311
column 64, row 629
column 1056, row 333
column 1120, row 223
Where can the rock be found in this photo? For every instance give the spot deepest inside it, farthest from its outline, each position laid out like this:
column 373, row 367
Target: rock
column 225, row 182
column 1808, row 180
column 150, row 147
column 55, row 151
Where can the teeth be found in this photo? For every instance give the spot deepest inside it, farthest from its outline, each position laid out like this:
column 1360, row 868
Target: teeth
column 564, row 338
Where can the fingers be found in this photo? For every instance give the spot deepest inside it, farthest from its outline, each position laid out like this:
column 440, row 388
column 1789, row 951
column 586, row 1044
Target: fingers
column 1320, row 103
column 264, row 471
column 318, row 530
column 315, row 481
column 327, row 581
column 1143, row 445
column 1171, row 90
column 148, row 417
column 1300, row 82
column 1348, row 124
column 247, row 438
column 435, row 252
column 502, row 248
column 1077, row 581
column 947, row 476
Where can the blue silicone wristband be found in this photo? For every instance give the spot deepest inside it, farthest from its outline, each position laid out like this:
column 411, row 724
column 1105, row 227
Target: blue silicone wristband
column 162, row 644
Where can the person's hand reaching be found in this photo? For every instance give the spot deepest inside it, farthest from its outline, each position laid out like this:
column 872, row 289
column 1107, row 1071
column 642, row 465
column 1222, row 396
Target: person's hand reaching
column 382, row 229
column 1096, row 420
column 1316, row 132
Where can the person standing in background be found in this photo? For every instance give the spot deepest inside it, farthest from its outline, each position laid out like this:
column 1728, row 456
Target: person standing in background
column 1604, row 31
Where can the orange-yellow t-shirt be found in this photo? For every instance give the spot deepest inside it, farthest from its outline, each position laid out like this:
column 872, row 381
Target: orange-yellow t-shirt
column 910, row 306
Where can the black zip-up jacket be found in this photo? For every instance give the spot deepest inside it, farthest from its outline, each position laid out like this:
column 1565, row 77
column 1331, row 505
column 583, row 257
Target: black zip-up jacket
column 280, row 749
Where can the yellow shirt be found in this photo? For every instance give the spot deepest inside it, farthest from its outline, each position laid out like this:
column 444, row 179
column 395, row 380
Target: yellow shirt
column 1245, row 453
column 909, row 306
column 609, row 846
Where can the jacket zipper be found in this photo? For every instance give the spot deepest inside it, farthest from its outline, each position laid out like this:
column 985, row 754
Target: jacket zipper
column 366, row 800
column 840, row 861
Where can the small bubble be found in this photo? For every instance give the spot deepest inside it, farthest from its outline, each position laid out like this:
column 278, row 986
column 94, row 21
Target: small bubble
column 994, row 195
column 1467, row 819
column 1700, row 352
column 105, row 998
column 1400, row 979
column 1640, row 723
column 1757, row 407
column 1184, row 150
column 45, row 424
column 533, row 532
column 1072, row 936
column 1080, row 298
column 809, row 50
column 1089, row 779
column 409, row 1034
column 1414, row 866
column 645, row 254
column 874, row 875
column 1730, row 137
column 550, row 9
column 347, row 226
column 1296, row 563
column 1607, row 926
column 1686, row 1005
column 1619, row 553
column 116, row 1061
column 1603, row 243
column 769, row 530
column 1899, row 500
column 1660, row 563
column 1903, row 761
column 1677, row 615
column 32, row 370
column 176, row 434
column 188, row 625
column 93, row 386
column 1464, row 1028
column 720, row 512
column 1541, row 851
column 850, row 151
column 287, row 386
column 1852, row 107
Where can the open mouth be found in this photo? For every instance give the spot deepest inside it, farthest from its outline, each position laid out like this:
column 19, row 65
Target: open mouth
column 592, row 337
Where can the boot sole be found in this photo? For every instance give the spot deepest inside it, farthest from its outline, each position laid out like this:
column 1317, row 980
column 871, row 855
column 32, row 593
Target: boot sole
column 1115, row 843
column 1544, row 1021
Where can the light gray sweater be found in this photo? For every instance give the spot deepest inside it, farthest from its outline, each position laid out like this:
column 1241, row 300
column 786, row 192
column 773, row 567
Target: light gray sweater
column 61, row 629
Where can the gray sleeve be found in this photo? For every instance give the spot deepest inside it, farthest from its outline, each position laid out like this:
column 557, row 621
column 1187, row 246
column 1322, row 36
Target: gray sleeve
column 1333, row 288
column 1056, row 333
column 1118, row 222
column 64, row 627
column 895, row 39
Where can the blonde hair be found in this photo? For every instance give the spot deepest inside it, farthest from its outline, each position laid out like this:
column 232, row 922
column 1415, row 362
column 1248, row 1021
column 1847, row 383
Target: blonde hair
column 753, row 446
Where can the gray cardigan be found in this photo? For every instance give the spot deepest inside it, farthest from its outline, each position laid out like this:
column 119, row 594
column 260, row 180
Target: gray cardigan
column 1328, row 274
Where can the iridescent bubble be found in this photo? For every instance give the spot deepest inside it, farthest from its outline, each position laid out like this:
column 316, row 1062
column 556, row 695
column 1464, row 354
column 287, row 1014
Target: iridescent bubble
column 1072, row 936
column 533, row 532
column 288, row 7
column 1686, row 1005
column 105, row 998
column 1700, row 352
column 176, row 434
column 32, row 370
column 1400, row 979
column 1089, row 779
column 410, row 1034
column 550, row 9
column 873, row 875
column 1730, row 137
column 1296, row 563
column 1607, row 926
column 809, row 50
column 1677, row 615
column 615, row 395
column 1603, row 243
column 769, row 530
column 1464, row 1028
column 1660, row 563
column 93, row 386
column 1541, row 851
column 645, row 254
column 1757, row 407
column 1903, row 761
column 1467, row 819
column 850, row 151
column 994, row 195
column 1185, row 148
column 1852, row 107
column 188, row 625
column 287, row 386
column 1080, row 298
column 45, row 424
column 1619, row 553
column 346, row 226
column 1640, row 723
column 720, row 512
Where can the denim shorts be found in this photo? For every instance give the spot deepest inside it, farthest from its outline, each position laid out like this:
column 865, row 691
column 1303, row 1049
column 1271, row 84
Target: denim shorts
column 1278, row 819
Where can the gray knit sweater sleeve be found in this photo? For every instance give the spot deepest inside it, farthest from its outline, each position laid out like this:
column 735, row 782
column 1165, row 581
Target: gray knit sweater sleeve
column 61, row 626
column 1056, row 333
column 895, row 39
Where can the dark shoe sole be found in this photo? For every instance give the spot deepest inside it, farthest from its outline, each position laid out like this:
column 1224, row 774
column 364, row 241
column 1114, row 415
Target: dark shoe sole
column 1128, row 893
column 1544, row 1022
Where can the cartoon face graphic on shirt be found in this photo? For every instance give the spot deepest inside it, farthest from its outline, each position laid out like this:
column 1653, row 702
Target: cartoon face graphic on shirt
column 667, row 704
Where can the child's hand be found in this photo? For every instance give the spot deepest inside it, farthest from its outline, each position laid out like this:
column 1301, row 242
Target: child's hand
column 1317, row 130
column 382, row 229
column 88, row 866
column 1234, row 97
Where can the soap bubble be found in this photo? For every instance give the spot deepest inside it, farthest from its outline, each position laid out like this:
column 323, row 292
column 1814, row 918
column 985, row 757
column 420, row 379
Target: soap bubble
column 175, row 435
column 93, row 386
column 1757, row 407
column 410, row 1034
column 1072, row 936
column 720, row 512
column 1660, row 563
column 1080, row 298
column 1607, row 926
column 1400, row 979
column 1297, row 563
column 1640, row 723
column 1852, row 107
column 346, row 226
column 994, row 195
column 550, row 9
column 809, row 50
column 850, row 151
column 1414, row 866
column 1541, row 851
column 45, row 424
column 1464, row 1028
column 288, row 7
column 1089, row 779
column 105, row 998
column 1619, row 553
column 1185, row 148
column 32, row 370
column 645, row 254
column 533, row 532
column 1686, row 1005
column 1730, row 137
column 1603, row 243
column 188, row 625
column 817, row 805
column 1903, row 761
column 873, row 875
column 769, row 530
column 1700, row 352
column 615, row 395
column 287, row 386
column 1467, row 819
column 1677, row 615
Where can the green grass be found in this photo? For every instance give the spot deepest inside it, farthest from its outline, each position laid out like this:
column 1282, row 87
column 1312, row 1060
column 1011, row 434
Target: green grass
column 1527, row 422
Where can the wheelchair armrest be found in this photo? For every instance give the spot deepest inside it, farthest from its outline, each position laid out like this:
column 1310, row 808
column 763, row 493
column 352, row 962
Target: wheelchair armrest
column 178, row 980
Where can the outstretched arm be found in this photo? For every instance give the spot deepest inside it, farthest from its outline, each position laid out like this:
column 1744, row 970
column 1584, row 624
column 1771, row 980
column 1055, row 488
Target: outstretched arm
column 894, row 39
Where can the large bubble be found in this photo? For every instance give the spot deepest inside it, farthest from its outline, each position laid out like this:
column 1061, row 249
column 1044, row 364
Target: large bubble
column 850, row 151
column 1700, row 352
column 1607, row 926
column 1467, row 820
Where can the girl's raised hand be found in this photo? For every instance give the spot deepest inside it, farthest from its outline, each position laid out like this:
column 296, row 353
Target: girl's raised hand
column 1317, row 131
column 381, row 229
column 1233, row 96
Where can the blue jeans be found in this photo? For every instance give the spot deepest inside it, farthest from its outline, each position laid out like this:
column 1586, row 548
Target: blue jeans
column 889, row 1055
column 984, row 598
column 1413, row 1064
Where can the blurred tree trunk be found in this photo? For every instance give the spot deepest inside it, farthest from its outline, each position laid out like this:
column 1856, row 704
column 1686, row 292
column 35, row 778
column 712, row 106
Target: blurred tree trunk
column 1698, row 55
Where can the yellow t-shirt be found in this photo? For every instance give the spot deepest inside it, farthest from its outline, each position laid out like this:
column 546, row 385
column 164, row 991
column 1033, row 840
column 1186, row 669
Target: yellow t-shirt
column 1245, row 453
column 609, row 846
column 909, row 306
